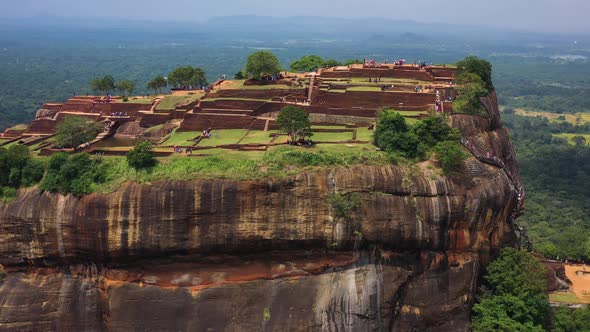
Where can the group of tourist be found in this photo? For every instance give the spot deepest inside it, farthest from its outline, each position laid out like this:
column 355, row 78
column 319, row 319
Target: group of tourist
column 304, row 142
column 178, row 149
column 119, row 114
column 103, row 100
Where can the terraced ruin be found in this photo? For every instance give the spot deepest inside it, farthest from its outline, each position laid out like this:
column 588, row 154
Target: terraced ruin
column 342, row 101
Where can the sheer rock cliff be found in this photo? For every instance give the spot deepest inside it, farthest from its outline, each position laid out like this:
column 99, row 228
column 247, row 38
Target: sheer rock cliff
column 267, row 255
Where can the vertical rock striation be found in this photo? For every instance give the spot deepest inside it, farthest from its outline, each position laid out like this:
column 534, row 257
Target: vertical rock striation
column 102, row 262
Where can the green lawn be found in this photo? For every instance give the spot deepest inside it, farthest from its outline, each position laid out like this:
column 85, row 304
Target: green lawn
column 36, row 145
column 137, row 100
column 239, row 84
column 169, row 102
column 364, row 88
column 331, row 137
column 223, row 137
column 390, row 80
column 364, row 134
column 570, row 137
column 333, row 90
column 348, row 149
column 257, row 136
column 564, row 297
column 327, row 127
column 412, row 113
column 154, row 128
column 181, row 138
column 241, row 99
column 19, row 127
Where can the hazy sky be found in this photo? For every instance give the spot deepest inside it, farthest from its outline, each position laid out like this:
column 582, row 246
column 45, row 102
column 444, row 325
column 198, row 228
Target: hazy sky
column 530, row 15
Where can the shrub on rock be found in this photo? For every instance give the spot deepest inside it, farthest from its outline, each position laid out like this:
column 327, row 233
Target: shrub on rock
column 142, row 156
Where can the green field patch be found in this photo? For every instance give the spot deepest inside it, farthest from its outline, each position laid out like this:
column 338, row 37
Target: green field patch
column 574, row 119
column 136, row 100
column 154, row 128
column 234, row 98
column 570, row 137
column 258, row 137
column 333, row 90
column 327, row 127
column 19, row 127
column 390, row 80
column 181, row 138
column 584, row 116
column 364, row 88
column 564, row 297
column 170, row 102
column 239, row 85
column 364, row 134
column 331, row 137
column 43, row 142
column 412, row 113
column 223, row 137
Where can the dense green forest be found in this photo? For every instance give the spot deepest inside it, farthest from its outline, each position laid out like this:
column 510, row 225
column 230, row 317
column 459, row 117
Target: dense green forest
column 556, row 176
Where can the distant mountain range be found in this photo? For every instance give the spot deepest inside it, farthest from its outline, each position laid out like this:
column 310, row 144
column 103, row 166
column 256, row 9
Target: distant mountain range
column 287, row 27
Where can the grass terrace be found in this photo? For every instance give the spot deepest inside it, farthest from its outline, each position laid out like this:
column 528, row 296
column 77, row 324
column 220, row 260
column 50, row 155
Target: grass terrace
column 390, row 80
column 233, row 98
column 171, row 101
column 364, row 134
column 224, row 137
column 364, row 88
column 181, row 138
column 258, row 137
column 137, row 100
column 566, row 297
column 19, row 127
column 277, row 161
column 239, row 85
column 331, row 137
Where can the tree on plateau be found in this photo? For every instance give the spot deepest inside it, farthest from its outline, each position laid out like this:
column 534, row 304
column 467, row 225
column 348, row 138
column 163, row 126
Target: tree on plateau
column 262, row 63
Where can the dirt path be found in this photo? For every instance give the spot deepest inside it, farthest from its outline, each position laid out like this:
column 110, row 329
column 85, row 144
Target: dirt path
column 580, row 281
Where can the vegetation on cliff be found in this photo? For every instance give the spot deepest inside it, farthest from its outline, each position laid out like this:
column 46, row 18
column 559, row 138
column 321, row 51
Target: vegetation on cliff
column 394, row 135
column 513, row 296
column 18, row 169
column 76, row 130
column 142, row 156
column 77, row 174
column 474, row 79
column 476, row 66
column 571, row 320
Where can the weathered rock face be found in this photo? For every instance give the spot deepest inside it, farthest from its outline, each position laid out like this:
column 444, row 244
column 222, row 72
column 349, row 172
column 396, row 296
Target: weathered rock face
column 267, row 255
